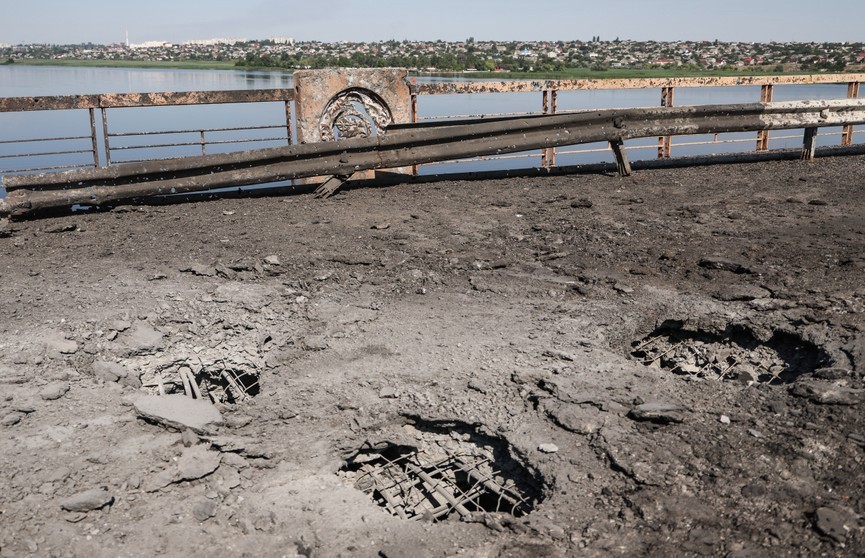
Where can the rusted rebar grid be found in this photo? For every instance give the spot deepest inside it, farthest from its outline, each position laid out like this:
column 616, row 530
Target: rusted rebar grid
column 411, row 488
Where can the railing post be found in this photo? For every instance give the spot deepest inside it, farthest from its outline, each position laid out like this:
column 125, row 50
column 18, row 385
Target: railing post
column 93, row 137
column 105, row 136
column 203, row 144
column 554, row 105
column 809, row 144
column 847, row 134
column 622, row 163
column 545, row 110
column 767, row 92
column 665, row 143
column 288, row 121
column 414, row 168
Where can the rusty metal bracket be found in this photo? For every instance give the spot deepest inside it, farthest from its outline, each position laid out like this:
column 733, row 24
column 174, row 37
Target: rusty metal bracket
column 622, row 163
column 331, row 186
column 809, row 144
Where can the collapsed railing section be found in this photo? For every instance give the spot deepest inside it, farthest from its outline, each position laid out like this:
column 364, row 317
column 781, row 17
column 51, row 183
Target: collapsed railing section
column 413, row 144
column 549, row 91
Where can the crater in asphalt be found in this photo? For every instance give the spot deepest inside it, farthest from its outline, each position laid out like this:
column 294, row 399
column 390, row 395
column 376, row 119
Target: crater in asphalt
column 736, row 354
column 444, row 470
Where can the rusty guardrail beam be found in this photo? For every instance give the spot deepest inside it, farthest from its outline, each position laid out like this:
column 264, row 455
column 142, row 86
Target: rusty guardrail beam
column 125, row 100
column 408, row 145
column 535, row 86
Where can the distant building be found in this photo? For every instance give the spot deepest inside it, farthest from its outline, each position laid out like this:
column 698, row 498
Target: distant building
column 151, row 44
column 218, row 41
column 283, row 40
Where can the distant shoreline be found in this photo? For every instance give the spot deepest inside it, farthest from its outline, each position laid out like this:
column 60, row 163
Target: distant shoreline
column 582, row 73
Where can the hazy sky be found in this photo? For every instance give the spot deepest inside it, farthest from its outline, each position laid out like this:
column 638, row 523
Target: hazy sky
column 106, row 21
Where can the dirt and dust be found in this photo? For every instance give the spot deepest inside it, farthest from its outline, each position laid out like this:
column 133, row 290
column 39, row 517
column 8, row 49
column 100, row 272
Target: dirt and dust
column 669, row 364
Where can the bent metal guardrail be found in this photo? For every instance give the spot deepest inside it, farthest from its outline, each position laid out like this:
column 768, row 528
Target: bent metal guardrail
column 550, row 92
column 412, row 144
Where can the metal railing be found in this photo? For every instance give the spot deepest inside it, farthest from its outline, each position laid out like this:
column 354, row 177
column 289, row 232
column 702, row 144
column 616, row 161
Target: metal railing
column 103, row 143
column 549, row 104
column 413, row 144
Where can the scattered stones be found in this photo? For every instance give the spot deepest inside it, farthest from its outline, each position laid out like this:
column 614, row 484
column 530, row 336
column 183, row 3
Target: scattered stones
column 826, row 393
column 561, row 355
column 315, row 343
column 833, row 523
column 857, row 438
column 189, row 438
column 354, row 259
column 724, row 265
column 57, row 342
column 11, row 419
column 13, row 376
column 234, row 460
column 287, row 413
column 582, row 203
column 113, row 372
column 724, row 419
column 381, row 227
column 622, row 288
column 178, row 412
column 55, row 229
column 238, row 421
column 140, row 339
column 197, row 462
column 272, row 260
column 818, row 202
column 199, row 270
column 388, row 393
column 658, row 413
column 204, row 510
column 832, row 374
column 478, row 385
column 548, row 448
column 89, row 500
column 740, row 293
column 227, row 444
column 55, row 391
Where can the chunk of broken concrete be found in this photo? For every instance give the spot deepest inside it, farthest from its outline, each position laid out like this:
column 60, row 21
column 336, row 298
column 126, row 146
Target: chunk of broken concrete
column 115, row 372
column 658, row 413
column 179, row 412
column 88, row 500
column 140, row 339
column 724, row 265
column 834, row 523
column 204, row 510
column 194, row 463
column 54, row 391
column 56, row 342
column 197, row 462
column 827, row 393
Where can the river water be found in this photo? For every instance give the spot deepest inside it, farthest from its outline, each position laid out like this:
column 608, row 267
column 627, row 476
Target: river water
column 21, row 81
